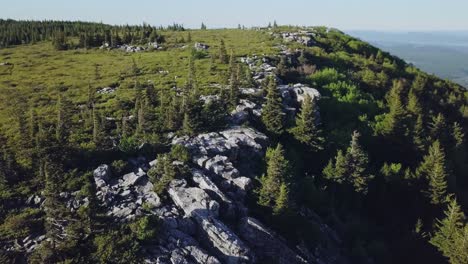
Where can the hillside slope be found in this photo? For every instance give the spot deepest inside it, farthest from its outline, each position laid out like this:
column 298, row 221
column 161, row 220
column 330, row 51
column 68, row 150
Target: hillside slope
column 277, row 145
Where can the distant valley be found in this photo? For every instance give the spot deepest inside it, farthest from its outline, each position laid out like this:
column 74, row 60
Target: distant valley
column 444, row 54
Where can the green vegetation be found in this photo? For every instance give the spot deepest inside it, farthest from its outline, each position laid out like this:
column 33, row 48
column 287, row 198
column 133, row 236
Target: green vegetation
column 384, row 149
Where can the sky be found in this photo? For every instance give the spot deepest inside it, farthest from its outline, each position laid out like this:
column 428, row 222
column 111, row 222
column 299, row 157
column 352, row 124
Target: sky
column 388, row 15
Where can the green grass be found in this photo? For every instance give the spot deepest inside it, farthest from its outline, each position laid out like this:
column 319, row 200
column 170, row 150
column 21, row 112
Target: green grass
column 39, row 69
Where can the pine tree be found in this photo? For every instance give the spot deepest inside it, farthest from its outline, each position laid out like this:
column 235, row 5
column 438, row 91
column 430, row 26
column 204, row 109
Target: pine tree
column 282, row 201
column 419, row 84
column 233, row 88
column 97, row 128
column 306, row 130
column 419, row 138
column 278, row 174
column 281, row 68
column 414, row 107
column 222, row 52
column 433, row 168
column 91, row 96
column 97, row 72
column 393, row 123
column 350, row 168
column 451, row 234
column 358, row 162
column 54, row 210
column 272, row 115
column 192, row 121
column 438, row 128
column 63, row 126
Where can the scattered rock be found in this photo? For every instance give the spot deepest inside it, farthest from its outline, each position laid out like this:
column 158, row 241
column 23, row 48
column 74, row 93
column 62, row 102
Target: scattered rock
column 201, row 46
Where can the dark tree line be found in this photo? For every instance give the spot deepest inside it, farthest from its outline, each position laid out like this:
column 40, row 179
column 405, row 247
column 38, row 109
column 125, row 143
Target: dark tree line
column 14, row 32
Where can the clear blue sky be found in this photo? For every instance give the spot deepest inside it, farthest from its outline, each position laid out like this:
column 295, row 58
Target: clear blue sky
column 342, row 14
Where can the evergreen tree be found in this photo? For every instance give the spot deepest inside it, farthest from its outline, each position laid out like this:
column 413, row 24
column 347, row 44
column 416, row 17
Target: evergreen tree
column 233, row 85
column 451, row 234
column 97, row 128
column 91, row 96
column 282, row 67
column 192, row 122
column 393, row 123
column 358, row 163
column 63, row 120
column 433, row 168
column 419, row 84
column 203, row 26
column 60, row 41
column 306, row 130
column 272, row 115
column 282, row 201
column 350, row 168
column 278, row 174
column 222, row 52
column 438, row 128
column 419, row 136
column 54, row 210
column 414, row 107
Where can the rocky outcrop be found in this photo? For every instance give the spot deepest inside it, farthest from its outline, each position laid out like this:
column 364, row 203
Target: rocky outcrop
column 125, row 197
column 197, row 204
column 305, row 38
column 297, row 92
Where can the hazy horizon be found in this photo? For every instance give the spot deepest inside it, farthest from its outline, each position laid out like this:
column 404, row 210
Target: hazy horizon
column 419, row 15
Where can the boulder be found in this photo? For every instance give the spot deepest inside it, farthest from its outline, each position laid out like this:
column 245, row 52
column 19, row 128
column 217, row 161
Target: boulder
column 102, row 172
column 192, row 200
column 218, row 237
column 132, row 178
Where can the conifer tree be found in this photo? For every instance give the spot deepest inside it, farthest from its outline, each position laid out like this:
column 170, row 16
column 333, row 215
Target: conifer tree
column 358, row 162
column 233, row 88
column 419, row 84
column 438, row 128
column 91, row 95
column 54, row 210
column 282, row 201
column 393, row 123
column 222, row 52
column 306, row 130
column 278, row 173
column 419, row 138
column 451, row 234
column 63, row 120
column 433, row 168
column 350, row 168
column 272, row 115
column 413, row 107
column 97, row 128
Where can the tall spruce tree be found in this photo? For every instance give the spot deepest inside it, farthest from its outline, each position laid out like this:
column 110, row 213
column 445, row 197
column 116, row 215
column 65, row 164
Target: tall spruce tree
column 64, row 114
column 307, row 130
column 433, row 168
column 350, row 168
column 277, row 175
column 272, row 115
column 393, row 124
column 451, row 236
column 233, row 88
column 222, row 54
